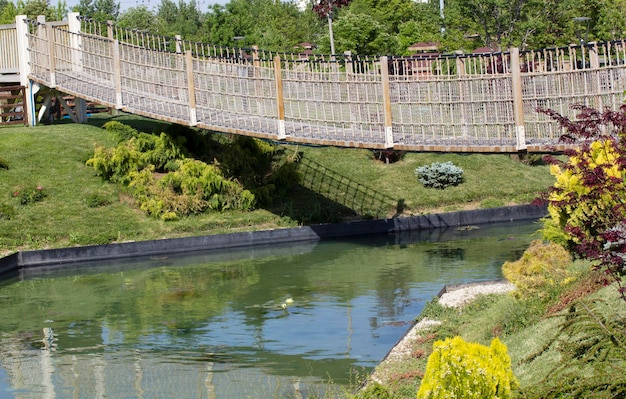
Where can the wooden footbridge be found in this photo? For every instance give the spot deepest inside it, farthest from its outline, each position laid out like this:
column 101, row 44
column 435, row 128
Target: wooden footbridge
column 460, row 102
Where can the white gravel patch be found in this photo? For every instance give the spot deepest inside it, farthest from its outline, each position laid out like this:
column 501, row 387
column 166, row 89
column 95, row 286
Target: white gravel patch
column 464, row 295
column 402, row 348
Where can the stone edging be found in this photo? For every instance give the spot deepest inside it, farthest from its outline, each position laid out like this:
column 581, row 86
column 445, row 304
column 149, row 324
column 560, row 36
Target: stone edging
column 13, row 263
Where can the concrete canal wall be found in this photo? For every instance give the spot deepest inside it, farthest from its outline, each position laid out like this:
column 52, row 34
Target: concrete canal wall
column 11, row 265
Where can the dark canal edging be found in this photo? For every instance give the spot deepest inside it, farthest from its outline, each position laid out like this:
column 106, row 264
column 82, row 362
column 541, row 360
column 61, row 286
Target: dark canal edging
column 11, row 265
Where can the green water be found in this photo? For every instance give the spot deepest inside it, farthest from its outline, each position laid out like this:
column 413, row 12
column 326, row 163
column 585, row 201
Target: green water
column 271, row 322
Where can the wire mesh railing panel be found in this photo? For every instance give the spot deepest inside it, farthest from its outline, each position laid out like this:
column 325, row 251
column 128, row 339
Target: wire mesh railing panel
column 154, row 82
column 324, row 106
column 39, row 51
column 558, row 91
column 84, row 66
column 235, row 96
column 471, row 111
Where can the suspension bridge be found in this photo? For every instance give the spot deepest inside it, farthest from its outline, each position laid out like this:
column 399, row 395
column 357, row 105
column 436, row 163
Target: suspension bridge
column 454, row 103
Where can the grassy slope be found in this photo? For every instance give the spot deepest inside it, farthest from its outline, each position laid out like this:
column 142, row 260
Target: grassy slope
column 530, row 327
column 54, row 158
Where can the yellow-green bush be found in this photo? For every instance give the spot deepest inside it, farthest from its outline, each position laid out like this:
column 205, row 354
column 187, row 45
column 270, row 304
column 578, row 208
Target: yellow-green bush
column 460, row 369
column 542, row 265
column 580, row 201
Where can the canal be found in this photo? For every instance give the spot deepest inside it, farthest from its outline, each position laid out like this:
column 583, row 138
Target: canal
column 266, row 322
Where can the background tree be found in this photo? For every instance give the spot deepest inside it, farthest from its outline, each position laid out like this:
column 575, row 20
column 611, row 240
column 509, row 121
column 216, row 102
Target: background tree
column 179, row 19
column 611, row 23
column 59, row 11
column 34, row 8
column 325, row 9
column 85, row 7
column 138, row 18
column 277, row 26
column 424, row 26
column 362, row 34
column 8, row 11
column 100, row 10
column 495, row 20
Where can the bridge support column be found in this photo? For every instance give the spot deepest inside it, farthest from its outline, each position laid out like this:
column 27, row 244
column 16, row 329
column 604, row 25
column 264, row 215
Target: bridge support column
column 518, row 103
column 384, row 73
column 280, row 100
column 193, row 118
column 24, row 66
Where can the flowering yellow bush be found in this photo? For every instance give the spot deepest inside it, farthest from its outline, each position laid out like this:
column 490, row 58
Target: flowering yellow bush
column 541, row 265
column 460, row 369
column 579, row 201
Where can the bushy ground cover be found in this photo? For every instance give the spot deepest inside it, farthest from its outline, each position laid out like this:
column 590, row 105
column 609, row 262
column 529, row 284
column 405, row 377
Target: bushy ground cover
column 570, row 342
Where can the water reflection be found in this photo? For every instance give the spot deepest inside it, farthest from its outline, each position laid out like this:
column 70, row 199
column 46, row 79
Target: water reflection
column 269, row 322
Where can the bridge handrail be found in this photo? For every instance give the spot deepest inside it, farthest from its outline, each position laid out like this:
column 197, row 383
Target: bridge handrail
column 449, row 102
column 559, row 58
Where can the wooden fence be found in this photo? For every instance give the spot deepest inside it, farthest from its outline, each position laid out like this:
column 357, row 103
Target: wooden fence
column 13, row 105
column 460, row 102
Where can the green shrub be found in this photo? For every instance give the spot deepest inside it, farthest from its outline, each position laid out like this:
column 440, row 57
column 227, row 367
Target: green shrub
column 194, row 187
column 29, row 194
column 439, row 175
column 4, row 164
column 543, row 265
column 460, row 369
column 121, row 131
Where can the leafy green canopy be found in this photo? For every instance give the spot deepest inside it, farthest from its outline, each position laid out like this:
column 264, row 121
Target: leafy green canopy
column 587, row 203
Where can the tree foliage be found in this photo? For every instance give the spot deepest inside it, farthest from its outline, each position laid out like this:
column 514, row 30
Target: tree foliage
column 8, row 11
column 326, row 8
column 586, row 204
column 100, row 10
column 367, row 27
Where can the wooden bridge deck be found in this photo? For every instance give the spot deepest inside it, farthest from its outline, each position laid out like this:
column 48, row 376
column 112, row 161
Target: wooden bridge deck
column 464, row 103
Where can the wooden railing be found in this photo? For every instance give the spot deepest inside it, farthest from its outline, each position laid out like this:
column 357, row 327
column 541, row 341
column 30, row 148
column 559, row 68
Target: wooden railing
column 9, row 62
column 13, row 105
column 460, row 102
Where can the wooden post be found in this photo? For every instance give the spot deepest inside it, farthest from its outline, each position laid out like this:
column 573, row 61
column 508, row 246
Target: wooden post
column 179, row 44
column 117, row 73
column 460, row 71
column 24, row 64
column 51, row 55
column 384, row 74
column 280, row 100
column 110, row 30
column 192, row 89
column 73, row 25
column 594, row 62
column 518, row 103
column 349, row 66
